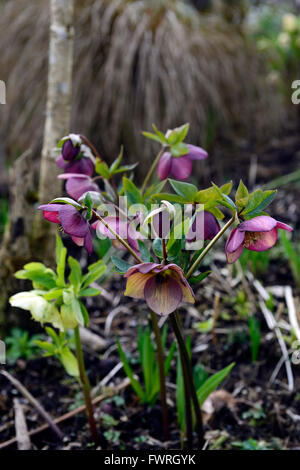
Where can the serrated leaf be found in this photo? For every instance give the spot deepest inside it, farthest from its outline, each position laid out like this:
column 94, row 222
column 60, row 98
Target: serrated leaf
column 242, row 195
column 155, row 137
column 259, row 203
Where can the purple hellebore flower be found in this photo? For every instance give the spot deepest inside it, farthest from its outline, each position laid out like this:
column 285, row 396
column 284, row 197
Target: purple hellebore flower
column 163, row 287
column 122, row 228
column 204, row 227
column 78, row 184
column 69, row 150
column 72, row 221
column 179, row 168
column 82, row 165
column 257, row 234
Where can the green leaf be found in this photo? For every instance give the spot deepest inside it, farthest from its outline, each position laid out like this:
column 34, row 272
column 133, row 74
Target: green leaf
column 145, row 253
column 49, row 347
column 204, row 326
column 258, row 201
column 102, row 169
column 89, row 292
column 154, row 189
column 66, row 200
column 55, row 293
column 121, row 266
column 75, row 274
column 157, row 247
column 61, row 253
column 178, row 150
column 93, row 275
column 85, row 313
column 125, row 168
column 255, row 335
column 134, row 383
column 212, row 383
column 157, row 138
column 77, row 310
column 242, row 195
column 132, row 192
column 69, row 362
column 200, row 277
column 170, row 198
column 177, row 135
column 116, row 163
column 186, row 190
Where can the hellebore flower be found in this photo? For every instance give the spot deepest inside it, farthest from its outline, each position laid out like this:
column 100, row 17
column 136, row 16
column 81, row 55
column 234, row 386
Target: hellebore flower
column 72, row 221
column 78, row 184
column 76, row 157
column 257, row 234
column 163, row 287
column 179, row 168
column 122, row 228
column 204, row 227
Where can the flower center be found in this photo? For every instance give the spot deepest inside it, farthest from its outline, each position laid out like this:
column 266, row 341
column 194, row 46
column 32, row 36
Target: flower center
column 251, row 238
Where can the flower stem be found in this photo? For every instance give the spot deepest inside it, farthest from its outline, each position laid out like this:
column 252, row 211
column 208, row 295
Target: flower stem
column 120, row 239
column 175, row 321
column 153, row 166
column 188, row 406
column 86, row 387
column 209, row 247
column 162, row 376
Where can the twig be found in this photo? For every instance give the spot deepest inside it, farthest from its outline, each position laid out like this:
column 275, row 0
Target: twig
column 33, row 401
column 22, row 436
column 71, row 414
column 292, row 311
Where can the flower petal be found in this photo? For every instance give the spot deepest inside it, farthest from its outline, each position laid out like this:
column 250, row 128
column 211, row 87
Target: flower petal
column 265, row 241
column 234, row 241
column 136, row 284
column 204, row 227
column 196, row 153
column 181, row 168
column 187, row 292
column 232, row 257
column 72, row 221
column 262, row 223
column 162, row 296
column 143, row 268
column 69, row 151
column 83, row 165
column 284, row 226
column 88, row 245
column 164, row 165
column 75, row 187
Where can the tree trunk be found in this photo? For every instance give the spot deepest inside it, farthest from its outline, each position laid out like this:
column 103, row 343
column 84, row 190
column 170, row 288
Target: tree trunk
column 58, row 112
column 27, row 237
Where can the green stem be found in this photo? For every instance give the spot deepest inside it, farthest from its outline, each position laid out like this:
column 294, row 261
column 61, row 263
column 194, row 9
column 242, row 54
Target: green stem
column 86, row 387
column 188, row 406
column 175, row 320
column 153, row 166
column 209, row 247
column 120, row 239
column 162, row 376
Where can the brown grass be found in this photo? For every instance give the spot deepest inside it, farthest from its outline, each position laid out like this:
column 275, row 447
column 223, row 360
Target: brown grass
column 136, row 62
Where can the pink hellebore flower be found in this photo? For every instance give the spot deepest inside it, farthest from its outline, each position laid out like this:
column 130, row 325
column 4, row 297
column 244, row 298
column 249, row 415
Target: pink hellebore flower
column 122, row 228
column 72, row 221
column 179, row 168
column 78, row 184
column 204, row 227
column 163, row 287
column 257, row 234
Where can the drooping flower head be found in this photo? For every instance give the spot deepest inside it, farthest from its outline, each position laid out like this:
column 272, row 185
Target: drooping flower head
column 76, row 157
column 257, row 234
column 163, row 287
column 123, row 228
column 179, row 168
column 72, row 220
column 205, row 227
column 78, row 184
